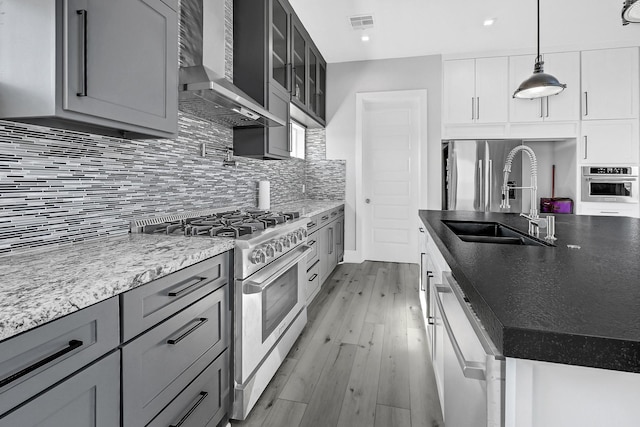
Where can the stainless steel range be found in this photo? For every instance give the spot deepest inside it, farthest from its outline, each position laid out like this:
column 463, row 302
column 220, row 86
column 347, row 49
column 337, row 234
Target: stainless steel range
column 269, row 296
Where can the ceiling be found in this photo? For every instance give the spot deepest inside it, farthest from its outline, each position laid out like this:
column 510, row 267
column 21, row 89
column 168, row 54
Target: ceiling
column 404, row 28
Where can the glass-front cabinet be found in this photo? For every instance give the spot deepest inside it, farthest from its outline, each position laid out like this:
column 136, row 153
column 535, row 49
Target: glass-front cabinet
column 299, row 63
column 280, row 45
column 313, row 81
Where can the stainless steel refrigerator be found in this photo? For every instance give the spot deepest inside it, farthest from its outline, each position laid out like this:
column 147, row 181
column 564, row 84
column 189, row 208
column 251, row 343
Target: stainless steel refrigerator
column 473, row 175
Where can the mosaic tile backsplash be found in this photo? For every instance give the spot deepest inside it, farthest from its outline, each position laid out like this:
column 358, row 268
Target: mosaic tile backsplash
column 59, row 186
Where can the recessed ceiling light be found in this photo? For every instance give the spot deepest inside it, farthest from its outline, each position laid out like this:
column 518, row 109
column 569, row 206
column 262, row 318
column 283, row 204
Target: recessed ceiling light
column 365, row 38
column 489, row 22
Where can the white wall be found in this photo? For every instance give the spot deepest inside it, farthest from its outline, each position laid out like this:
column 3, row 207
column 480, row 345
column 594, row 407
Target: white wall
column 346, row 79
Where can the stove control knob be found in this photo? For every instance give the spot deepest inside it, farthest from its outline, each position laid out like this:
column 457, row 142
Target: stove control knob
column 303, row 231
column 277, row 244
column 270, row 250
column 286, row 242
column 301, row 235
column 258, row 256
column 293, row 238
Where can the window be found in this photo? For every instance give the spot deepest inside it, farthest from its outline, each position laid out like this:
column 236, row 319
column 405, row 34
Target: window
column 298, row 134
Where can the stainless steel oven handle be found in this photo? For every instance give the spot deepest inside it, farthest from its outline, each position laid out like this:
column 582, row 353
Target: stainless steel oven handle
column 470, row 369
column 275, row 270
column 612, row 179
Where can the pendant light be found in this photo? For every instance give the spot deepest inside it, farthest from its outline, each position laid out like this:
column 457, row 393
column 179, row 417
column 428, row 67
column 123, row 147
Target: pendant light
column 540, row 84
column 630, row 11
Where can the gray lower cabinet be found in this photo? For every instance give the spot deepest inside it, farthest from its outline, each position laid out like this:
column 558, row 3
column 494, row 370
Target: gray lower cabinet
column 34, row 361
column 202, row 403
column 159, row 365
column 330, row 240
column 90, row 398
column 109, row 67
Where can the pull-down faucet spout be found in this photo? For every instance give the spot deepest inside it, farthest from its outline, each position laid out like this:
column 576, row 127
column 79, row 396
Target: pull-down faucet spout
column 534, row 220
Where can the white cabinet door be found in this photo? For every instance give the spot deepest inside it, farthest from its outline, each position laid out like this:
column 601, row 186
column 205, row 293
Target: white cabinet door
column 562, row 107
column 565, row 106
column 522, row 110
column 610, row 84
column 492, row 90
column 459, row 91
column 609, row 142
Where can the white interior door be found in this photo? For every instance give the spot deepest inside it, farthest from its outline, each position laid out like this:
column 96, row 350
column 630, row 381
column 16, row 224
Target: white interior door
column 390, row 146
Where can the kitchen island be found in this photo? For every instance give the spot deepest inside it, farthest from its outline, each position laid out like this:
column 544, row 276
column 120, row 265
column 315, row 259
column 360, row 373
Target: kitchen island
column 566, row 318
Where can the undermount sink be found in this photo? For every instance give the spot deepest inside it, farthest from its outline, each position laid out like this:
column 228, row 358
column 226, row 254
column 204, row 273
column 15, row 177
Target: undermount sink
column 491, row 232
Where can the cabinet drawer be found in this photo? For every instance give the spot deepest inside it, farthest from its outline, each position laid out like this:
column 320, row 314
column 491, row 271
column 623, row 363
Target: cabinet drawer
column 313, row 224
column 324, row 218
column 157, row 365
column 91, row 398
column 204, row 402
column 334, row 214
column 312, row 241
column 313, row 282
column 149, row 304
column 39, row 358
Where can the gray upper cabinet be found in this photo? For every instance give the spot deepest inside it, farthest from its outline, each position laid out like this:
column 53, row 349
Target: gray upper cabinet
column 107, row 67
column 262, row 69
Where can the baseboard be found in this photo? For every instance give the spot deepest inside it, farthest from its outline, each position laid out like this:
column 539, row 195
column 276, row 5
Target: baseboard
column 353, row 257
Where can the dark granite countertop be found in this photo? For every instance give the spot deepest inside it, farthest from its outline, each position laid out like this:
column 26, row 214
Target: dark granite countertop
column 554, row 304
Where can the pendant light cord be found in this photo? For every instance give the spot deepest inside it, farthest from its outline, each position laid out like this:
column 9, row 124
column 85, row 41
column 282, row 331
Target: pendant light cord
column 538, row 58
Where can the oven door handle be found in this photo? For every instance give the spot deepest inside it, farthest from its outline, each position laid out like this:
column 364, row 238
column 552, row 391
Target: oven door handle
column 612, row 179
column 278, row 267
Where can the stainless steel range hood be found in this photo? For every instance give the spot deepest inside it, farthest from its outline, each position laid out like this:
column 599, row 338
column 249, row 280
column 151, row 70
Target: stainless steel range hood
column 204, row 91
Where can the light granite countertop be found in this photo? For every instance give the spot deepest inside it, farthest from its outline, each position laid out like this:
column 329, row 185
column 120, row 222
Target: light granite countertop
column 41, row 286
column 38, row 287
column 308, row 207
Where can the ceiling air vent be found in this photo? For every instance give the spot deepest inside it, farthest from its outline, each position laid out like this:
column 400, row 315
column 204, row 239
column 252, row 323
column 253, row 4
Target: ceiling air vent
column 361, row 22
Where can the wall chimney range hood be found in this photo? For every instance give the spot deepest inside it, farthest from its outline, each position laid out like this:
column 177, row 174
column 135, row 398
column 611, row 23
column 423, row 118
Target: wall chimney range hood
column 203, row 90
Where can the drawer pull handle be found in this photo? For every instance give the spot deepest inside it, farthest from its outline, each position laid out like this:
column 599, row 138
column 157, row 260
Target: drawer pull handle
column 334, row 213
column 188, row 286
column 312, row 278
column 201, row 321
column 311, row 225
column 325, row 217
column 311, row 243
column 203, row 395
column 73, row 344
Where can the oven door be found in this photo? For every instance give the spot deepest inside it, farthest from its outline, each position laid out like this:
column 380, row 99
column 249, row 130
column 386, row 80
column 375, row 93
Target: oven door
column 610, row 189
column 271, row 300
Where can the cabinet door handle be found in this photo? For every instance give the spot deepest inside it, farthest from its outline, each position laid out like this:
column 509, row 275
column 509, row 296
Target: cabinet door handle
column 203, row 395
column 586, row 142
column 330, row 240
column 201, row 321
column 473, row 108
column 289, row 144
column 586, row 103
column 312, row 278
column 72, row 345
column 421, row 229
column 189, row 285
column 428, row 290
column 541, row 110
column 547, row 115
column 422, row 255
column 289, row 78
column 83, row 52
column 478, row 108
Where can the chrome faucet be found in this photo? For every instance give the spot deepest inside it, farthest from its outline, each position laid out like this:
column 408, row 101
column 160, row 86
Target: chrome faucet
column 535, row 222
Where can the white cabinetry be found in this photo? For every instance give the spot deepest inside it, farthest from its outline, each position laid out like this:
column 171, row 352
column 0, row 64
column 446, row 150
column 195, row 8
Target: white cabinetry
column 609, row 142
column 562, row 107
column 476, row 90
column 610, row 84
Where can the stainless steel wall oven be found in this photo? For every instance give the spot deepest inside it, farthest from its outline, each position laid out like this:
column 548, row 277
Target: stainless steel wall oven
column 610, row 184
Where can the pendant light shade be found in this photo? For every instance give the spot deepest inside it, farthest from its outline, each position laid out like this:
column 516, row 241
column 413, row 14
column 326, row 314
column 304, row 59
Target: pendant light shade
column 540, row 84
column 630, row 12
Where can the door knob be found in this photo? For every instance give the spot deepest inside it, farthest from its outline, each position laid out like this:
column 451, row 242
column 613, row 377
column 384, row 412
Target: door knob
column 367, row 201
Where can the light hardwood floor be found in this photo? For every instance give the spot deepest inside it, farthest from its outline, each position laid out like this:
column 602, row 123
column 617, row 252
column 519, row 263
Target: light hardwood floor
column 362, row 359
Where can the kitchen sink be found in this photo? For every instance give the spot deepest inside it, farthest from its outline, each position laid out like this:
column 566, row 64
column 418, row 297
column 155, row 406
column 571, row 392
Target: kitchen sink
column 491, row 232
